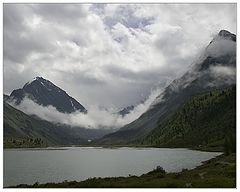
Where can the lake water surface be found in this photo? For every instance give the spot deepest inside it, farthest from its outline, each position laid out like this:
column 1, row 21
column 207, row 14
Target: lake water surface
column 79, row 163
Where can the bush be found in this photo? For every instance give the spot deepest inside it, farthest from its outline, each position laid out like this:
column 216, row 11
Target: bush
column 159, row 169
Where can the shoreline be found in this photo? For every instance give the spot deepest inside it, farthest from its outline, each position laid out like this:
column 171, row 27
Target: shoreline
column 203, row 148
column 219, row 171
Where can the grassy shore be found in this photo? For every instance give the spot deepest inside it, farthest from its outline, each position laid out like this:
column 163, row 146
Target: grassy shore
column 219, row 172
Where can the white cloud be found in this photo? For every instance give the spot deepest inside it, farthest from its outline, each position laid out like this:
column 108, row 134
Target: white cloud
column 223, row 72
column 95, row 118
column 74, row 46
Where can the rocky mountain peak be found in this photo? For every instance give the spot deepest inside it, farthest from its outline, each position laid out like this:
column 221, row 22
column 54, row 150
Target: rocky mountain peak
column 45, row 93
column 227, row 35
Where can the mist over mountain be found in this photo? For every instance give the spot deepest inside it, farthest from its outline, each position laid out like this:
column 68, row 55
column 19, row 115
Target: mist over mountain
column 22, row 130
column 109, row 55
column 216, row 68
column 126, row 110
column 119, row 95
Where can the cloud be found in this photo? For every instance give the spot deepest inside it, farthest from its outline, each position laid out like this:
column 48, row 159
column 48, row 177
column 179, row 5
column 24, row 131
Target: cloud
column 95, row 118
column 223, row 74
column 139, row 109
column 223, row 71
column 126, row 16
column 107, row 54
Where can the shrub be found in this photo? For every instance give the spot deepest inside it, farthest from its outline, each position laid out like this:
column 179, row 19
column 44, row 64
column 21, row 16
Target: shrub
column 159, row 169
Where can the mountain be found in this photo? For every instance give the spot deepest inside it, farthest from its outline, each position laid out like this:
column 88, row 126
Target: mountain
column 208, row 119
column 6, row 97
column 22, row 130
column 46, row 93
column 215, row 69
column 126, row 110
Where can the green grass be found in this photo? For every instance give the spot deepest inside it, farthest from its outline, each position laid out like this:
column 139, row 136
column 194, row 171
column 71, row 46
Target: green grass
column 219, row 172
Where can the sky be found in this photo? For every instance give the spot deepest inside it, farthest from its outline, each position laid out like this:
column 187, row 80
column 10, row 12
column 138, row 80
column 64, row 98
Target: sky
column 110, row 55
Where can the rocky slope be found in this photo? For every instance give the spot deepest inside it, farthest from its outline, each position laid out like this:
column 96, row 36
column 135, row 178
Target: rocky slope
column 46, row 93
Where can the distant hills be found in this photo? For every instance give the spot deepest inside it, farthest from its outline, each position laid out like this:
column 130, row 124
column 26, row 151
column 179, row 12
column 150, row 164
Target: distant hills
column 215, row 70
column 22, row 130
column 45, row 93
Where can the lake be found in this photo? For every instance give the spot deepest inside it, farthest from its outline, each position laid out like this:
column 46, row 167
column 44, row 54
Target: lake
column 79, row 163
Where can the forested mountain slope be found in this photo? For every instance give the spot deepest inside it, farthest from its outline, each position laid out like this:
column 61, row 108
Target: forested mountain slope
column 208, row 119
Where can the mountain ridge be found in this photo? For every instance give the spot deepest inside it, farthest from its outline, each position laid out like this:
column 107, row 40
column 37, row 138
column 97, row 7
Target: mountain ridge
column 22, row 130
column 45, row 93
column 200, row 79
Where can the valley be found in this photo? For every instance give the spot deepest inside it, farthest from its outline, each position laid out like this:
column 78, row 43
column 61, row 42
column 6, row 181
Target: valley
column 195, row 111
